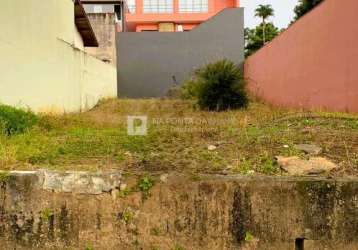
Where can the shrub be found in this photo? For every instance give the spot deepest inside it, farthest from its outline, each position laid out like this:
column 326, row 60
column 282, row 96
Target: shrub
column 14, row 121
column 217, row 86
column 189, row 89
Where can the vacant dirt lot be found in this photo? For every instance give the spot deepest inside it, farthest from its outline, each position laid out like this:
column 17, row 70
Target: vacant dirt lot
column 181, row 138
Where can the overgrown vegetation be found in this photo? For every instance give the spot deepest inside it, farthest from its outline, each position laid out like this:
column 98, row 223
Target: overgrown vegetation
column 15, row 121
column 217, row 86
column 246, row 141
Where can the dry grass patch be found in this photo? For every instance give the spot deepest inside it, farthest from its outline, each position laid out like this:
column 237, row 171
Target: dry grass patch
column 178, row 139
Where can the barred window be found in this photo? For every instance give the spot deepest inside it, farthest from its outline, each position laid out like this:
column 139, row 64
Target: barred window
column 158, row 6
column 193, row 6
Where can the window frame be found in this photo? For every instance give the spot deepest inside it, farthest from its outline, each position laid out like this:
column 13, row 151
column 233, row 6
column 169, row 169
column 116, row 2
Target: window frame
column 156, row 7
column 193, row 6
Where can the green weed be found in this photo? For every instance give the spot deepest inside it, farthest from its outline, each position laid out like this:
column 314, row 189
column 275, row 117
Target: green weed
column 248, row 237
column 46, row 214
column 4, row 176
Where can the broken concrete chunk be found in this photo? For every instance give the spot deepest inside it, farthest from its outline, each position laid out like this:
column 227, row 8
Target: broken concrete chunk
column 296, row 166
column 100, row 185
column 309, row 149
column 80, row 182
column 211, row 147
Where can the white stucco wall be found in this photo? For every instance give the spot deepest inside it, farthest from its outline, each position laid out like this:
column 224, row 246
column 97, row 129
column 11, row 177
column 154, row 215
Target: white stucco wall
column 40, row 66
column 79, row 40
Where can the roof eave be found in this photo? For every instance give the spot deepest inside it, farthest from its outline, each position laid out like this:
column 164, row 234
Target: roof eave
column 84, row 26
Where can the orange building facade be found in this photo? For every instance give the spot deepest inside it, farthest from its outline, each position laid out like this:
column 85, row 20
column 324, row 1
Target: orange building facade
column 172, row 15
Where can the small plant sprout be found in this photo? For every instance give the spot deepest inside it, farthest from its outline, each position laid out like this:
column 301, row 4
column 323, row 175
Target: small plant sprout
column 124, row 193
column 89, row 247
column 155, row 231
column 127, row 216
column 248, row 237
column 46, row 214
column 178, row 247
column 145, row 184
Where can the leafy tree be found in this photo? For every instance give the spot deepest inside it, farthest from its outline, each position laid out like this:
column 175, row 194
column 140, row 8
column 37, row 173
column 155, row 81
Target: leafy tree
column 264, row 12
column 254, row 37
column 305, row 6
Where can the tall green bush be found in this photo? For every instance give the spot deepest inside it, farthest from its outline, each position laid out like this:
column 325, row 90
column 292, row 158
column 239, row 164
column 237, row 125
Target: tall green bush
column 14, row 121
column 217, row 86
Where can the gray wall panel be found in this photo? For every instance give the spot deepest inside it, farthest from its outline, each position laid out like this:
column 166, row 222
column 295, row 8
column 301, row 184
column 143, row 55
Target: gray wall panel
column 147, row 61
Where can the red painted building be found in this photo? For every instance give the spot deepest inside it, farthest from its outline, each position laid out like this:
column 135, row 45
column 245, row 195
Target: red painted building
column 172, row 15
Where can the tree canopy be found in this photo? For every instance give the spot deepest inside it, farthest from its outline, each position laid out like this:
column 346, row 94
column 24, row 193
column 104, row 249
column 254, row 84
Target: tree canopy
column 305, row 6
column 254, row 37
column 264, row 11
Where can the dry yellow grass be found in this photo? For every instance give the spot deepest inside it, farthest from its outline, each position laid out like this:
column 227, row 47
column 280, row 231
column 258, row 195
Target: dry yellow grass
column 178, row 139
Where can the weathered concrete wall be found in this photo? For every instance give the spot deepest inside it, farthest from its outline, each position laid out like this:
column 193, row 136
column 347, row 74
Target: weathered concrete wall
column 149, row 63
column 104, row 27
column 40, row 65
column 49, row 210
column 313, row 64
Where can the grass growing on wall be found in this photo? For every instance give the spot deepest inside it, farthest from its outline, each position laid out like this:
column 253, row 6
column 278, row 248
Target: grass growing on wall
column 178, row 139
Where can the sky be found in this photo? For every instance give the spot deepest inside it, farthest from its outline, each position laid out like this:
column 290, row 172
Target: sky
column 283, row 12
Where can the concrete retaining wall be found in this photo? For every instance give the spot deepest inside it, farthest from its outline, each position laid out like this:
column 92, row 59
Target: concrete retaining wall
column 75, row 210
column 149, row 63
column 313, row 64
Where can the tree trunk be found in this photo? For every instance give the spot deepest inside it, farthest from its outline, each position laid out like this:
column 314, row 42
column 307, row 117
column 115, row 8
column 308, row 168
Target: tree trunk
column 264, row 31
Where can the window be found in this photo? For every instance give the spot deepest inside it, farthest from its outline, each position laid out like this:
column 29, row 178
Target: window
column 158, row 6
column 131, row 6
column 193, row 6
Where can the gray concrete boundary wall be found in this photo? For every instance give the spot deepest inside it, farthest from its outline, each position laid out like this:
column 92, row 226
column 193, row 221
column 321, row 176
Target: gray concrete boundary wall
column 149, row 63
column 87, row 210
